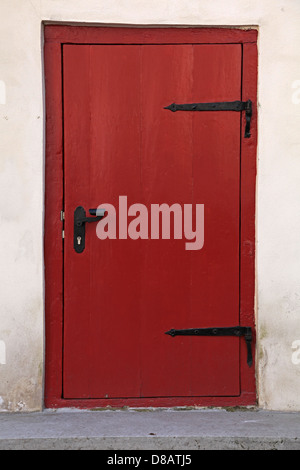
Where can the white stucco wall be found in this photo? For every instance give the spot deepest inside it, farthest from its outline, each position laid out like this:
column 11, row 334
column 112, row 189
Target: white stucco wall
column 22, row 180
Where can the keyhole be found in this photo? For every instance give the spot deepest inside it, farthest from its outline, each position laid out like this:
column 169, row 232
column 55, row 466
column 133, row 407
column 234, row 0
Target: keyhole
column 78, row 240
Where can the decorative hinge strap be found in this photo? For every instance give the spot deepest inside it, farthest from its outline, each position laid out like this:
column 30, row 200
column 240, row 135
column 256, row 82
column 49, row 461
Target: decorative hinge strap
column 222, row 331
column 219, row 106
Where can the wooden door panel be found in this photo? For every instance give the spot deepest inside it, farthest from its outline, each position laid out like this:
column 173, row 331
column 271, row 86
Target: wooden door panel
column 121, row 295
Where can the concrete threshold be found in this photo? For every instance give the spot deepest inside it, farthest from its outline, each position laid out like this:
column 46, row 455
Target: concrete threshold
column 151, row 429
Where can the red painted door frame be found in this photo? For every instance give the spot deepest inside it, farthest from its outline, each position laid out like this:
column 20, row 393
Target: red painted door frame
column 55, row 37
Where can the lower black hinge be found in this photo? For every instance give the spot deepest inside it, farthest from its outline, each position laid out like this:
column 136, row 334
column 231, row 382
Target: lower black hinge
column 223, row 331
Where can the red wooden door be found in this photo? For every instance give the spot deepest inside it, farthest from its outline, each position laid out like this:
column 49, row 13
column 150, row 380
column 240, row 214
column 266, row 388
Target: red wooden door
column 121, row 295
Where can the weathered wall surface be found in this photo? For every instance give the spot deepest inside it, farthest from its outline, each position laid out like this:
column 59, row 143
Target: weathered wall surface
column 22, row 176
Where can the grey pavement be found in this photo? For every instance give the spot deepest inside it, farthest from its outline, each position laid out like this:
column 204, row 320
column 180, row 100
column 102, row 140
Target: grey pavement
column 151, row 429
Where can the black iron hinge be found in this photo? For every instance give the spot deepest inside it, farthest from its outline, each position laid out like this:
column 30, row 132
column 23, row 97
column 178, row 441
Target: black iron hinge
column 223, row 331
column 220, row 106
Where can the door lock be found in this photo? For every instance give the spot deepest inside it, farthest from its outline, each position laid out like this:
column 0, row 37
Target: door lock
column 80, row 220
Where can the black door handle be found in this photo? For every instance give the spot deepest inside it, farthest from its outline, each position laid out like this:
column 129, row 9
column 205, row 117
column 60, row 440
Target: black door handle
column 80, row 220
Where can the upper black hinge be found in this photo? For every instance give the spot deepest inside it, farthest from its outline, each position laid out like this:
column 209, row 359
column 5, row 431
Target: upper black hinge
column 220, row 106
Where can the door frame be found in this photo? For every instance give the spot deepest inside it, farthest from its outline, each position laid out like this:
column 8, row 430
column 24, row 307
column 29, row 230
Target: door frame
column 55, row 36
